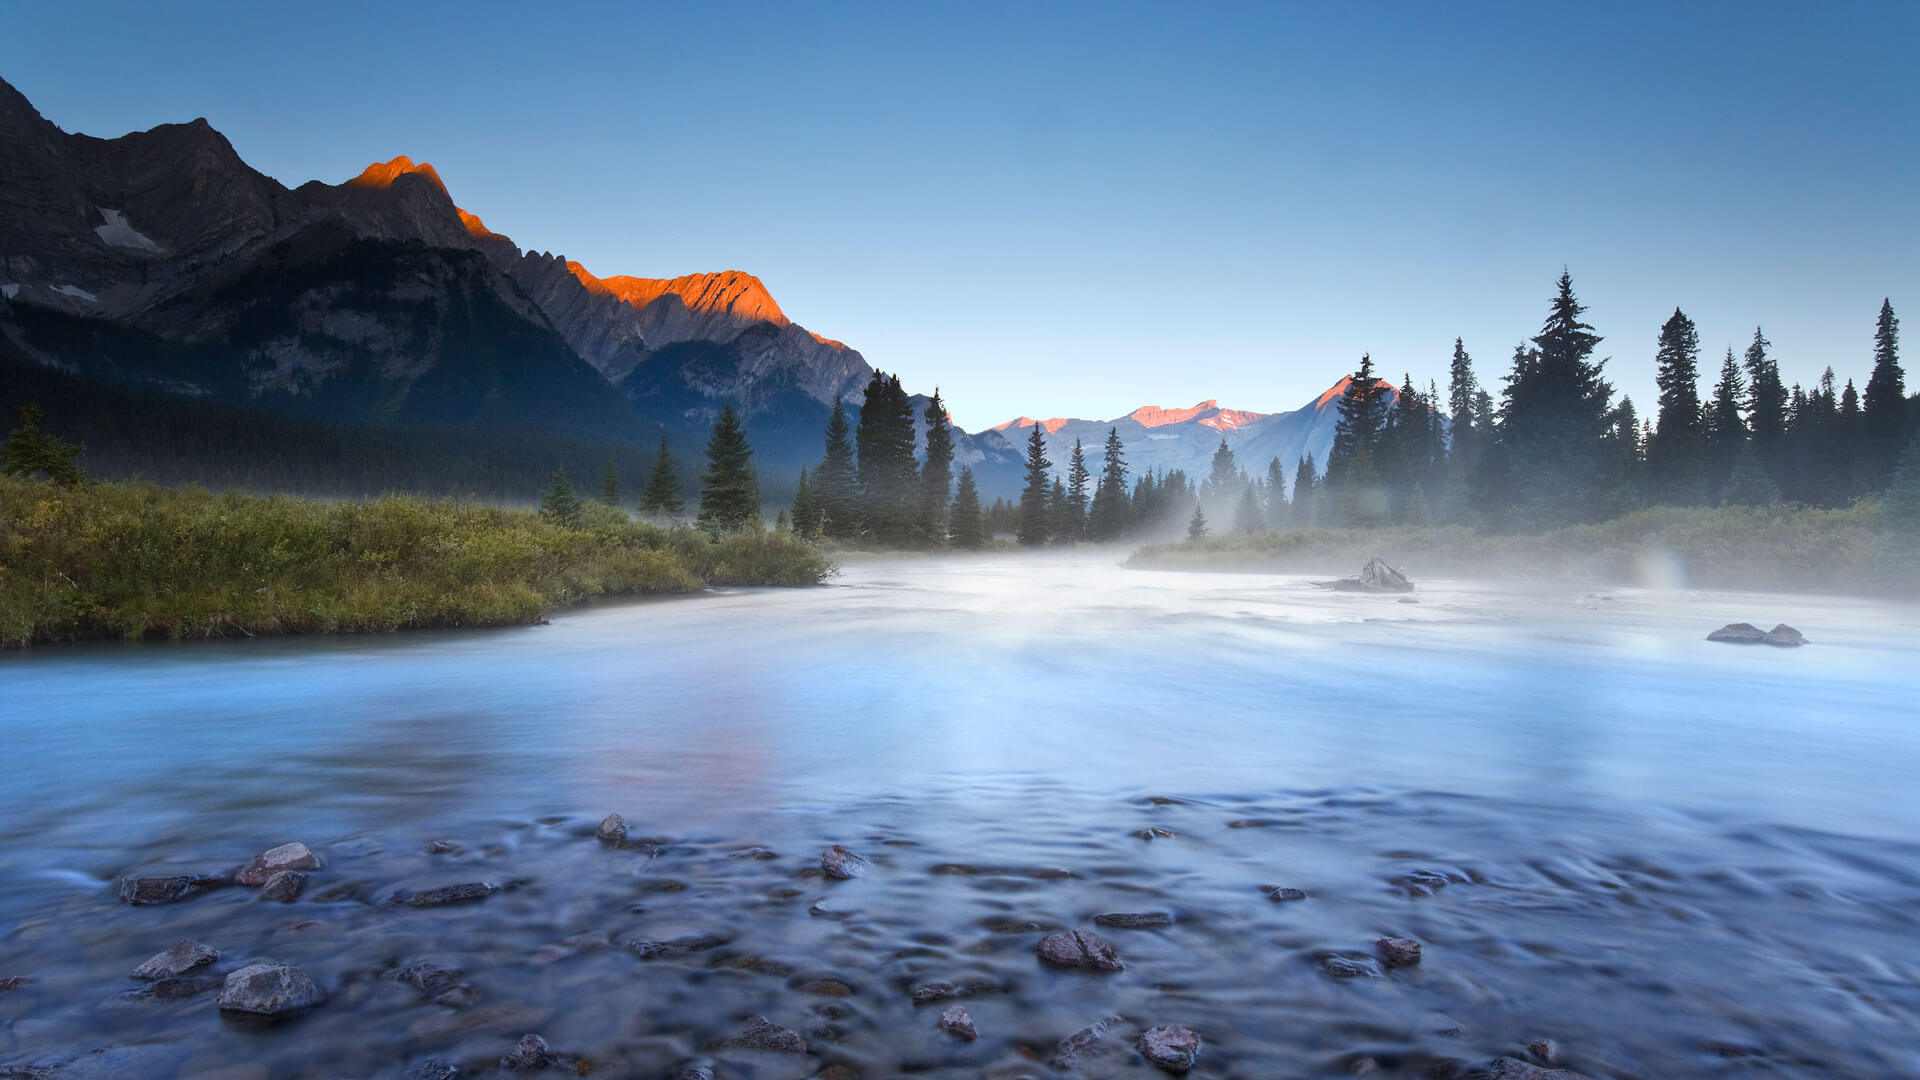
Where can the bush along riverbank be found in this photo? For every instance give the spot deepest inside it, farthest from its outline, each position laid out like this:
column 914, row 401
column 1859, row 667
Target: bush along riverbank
column 136, row 561
column 1861, row 550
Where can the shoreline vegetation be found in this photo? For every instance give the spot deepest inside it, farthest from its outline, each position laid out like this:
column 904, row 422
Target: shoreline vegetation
column 1859, row 550
column 136, row 561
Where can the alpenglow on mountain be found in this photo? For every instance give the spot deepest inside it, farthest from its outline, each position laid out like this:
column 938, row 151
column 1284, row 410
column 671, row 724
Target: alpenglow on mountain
column 159, row 262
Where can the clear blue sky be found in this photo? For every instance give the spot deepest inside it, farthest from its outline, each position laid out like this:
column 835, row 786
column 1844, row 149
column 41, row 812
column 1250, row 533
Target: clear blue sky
column 1059, row 209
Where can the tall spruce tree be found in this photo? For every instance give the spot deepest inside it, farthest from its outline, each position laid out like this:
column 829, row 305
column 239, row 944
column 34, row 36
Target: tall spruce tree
column 1356, row 435
column 1079, row 488
column 1306, row 502
column 1884, row 408
column 1036, row 525
column 806, row 511
column 936, row 474
column 1107, row 520
column 1061, row 511
column 662, row 493
column 1766, row 402
column 964, row 517
column 1674, row 457
column 1726, row 430
column 1554, row 423
column 729, row 495
column 560, row 504
column 1462, row 386
column 889, row 479
column 1277, row 505
column 836, row 485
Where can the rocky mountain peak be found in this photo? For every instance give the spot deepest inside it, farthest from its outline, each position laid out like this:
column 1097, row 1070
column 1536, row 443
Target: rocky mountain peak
column 382, row 174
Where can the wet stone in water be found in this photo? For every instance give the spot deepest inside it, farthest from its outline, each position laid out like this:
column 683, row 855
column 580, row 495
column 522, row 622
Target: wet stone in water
column 466, row 892
column 177, row 959
column 648, row 948
column 757, row 853
column 612, row 830
column 431, row 1069
column 1133, row 920
column 1154, row 833
column 694, row 1070
column 1281, row 894
column 1171, row 1047
column 293, row 856
column 763, row 1034
column 1351, row 967
column 827, row 988
column 443, row 847
column 176, row 988
column 1089, row 1051
column 839, row 863
column 169, row 889
column 1506, row 1068
column 1079, row 949
column 528, row 1055
column 955, row 1022
column 1399, row 951
column 14, row 982
column 269, row 990
column 430, row 977
column 284, row 887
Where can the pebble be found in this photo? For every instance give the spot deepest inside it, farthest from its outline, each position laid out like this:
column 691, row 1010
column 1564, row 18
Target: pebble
column 839, row 863
column 529, row 1054
column 1281, row 894
column 1080, row 949
column 269, row 990
column 955, row 1021
column 612, row 830
column 763, row 1034
column 466, row 892
column 294, row 856
column 1399, row 951
column 1155, row 833
column 1133, row 920
column 177, row 959
column 1171, row 1047
column 284, row 887
column 170, row 888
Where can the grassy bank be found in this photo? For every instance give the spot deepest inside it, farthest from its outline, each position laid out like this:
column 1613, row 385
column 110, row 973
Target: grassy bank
column 134, row 561
column 1857, row 550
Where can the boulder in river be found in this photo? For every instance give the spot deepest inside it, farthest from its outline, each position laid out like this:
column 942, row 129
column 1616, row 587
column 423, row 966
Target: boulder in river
column 763, row 1034
column 1399, row 951
column 612, row 830
column 294, row 856
column 1740, row 633
column 269, row 990
column 170, row 888
column 955, row 1022
column 1171, row 1046
column 530, row 1054
column 1376, row 576
column 177, row 959
column 284, row 887
column 465, row 892
column 1079, row 949
column 837, row 862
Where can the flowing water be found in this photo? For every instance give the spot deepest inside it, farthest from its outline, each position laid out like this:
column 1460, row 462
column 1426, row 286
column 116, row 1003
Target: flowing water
column 1672, row 858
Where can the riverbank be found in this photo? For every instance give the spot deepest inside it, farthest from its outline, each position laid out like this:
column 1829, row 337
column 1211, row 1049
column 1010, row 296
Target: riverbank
column 137, row 561
column 1857, row 551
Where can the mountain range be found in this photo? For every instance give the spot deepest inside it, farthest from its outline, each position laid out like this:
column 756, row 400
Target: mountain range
column 159, row 262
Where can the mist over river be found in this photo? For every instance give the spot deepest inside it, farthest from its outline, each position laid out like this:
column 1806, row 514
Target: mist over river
column 1667, row 856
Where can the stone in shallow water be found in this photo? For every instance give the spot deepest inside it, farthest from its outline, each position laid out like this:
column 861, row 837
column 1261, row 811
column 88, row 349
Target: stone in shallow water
column 168, row 889
column 1089, row 1052
column 284, row 887
column 431, row 977
column 465, row 892
column 431, row 1069
column 293, row 856
column 1351, row 967
column 955, row 1022
column 443, row 847
column 1506, row 1068
column 763, row 1034
column 1133, row 920
column 1281, row 894
column 694, row 1070
column 1079, row 949
column 827, row 988
column 15, row 982
column 529, row 1054
column 1399, row 951
column 269, row 990
column 176, row 988
column 839, row 863
column 941, row 990
column 612, row 830
column 1154, row 833
column 648, row 948
column 177, row 959
column 1171, row 1046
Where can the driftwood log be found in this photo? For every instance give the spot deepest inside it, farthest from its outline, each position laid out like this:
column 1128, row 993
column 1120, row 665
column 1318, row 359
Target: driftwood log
column 1376, row 576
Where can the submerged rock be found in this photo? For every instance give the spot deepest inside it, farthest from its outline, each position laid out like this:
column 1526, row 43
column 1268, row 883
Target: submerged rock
column 1133, row 920
column 1506, row 1068
column 284, row 887
column 1282, row 894
column 269, row 990
column 169, row 889
column 839, row 863
column 431, row 977
column 1079, row 949
column 177, row 959
column 1376, row 576
column 1741, row 633
column 1154, row 833
column 694, row 1070
column 530, row 1054
column 1089, row 1051
column 263, row 866
column 955, row 1022
column 1399, row 951
column 1171, row 1047
column 1351, row 967
column 973, row 986
column 612, row 830
column 648, row 948
column 443, row 847
column 431, row 1069
column 15, row 982
column 465, row 892
column 176, row 988
column 763, row 1034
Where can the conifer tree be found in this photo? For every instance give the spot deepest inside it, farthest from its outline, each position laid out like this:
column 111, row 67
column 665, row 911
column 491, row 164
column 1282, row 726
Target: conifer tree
column 1197, row 524
column 1247, row 517
column 1673, row 457
column 1850, row 437
column 806, row 511
column 1726, row 431
column 889, row 479
column 965, row 515
column 1884, row 408
column 1061, row 513
column 936, row 474
column 1462, row 388
column 29, row 452
column 1107, row 519
column 1276, row 495
column 1356, row 436
column 610, row 483
column 1224, row 474
column 1306, row 502
column 729, row 496
column 1035, row 527
column 662, row 493
column 1766, row 403
column 560, row 504
column 835, row 483
column 1555, row 419
column 1078, row 491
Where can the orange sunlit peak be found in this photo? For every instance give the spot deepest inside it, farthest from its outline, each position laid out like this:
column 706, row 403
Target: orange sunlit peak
column 382, row 174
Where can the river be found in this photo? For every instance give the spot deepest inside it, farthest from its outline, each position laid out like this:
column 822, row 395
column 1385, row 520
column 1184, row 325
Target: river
column 1669, row 857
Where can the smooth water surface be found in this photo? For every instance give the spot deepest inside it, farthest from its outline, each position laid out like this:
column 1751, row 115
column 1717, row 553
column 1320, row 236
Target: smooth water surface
column 1671, row 857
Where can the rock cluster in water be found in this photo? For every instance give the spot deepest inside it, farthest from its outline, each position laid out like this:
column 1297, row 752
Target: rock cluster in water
column 1782, row 635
